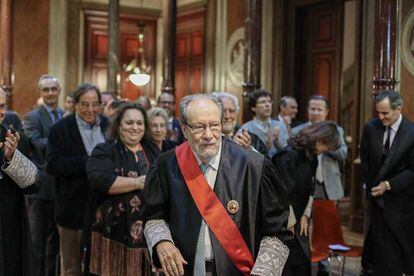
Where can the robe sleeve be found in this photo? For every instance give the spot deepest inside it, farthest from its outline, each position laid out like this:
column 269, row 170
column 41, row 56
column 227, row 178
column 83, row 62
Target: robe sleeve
column 273, row 203
column 155, row 194
column 153, row 210
column 100, row 168
column 23, row 172
column 274, row 216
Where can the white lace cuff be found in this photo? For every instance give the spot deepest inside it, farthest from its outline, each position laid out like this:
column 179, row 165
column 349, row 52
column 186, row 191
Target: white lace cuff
column 21, row 170
column 156, row 230
column 271, row 258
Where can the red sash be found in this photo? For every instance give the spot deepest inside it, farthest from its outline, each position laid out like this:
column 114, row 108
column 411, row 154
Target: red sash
column 213, row 211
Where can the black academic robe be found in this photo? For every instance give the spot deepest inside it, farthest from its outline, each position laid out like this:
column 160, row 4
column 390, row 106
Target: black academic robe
column 16, row 255
column 243, row 175
column 392, row 214
column 297, row 169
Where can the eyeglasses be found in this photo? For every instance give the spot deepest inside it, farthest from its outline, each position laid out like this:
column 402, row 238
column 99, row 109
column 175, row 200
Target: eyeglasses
column 202, row 128
column 167, row 102
column 52, row 89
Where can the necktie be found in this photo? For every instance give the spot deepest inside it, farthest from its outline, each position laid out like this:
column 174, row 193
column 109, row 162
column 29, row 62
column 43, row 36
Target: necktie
column 319, row 174
column 388, row 140
column 55, row 115
column 200, row 257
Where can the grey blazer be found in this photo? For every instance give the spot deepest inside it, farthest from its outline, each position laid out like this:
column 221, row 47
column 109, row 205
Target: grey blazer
column 331, row 165
column 36, row 127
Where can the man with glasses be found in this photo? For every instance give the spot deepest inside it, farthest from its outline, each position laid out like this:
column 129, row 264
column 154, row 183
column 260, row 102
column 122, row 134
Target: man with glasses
column 40, row 205
column 273, row 134
column 211, row 207
column 70, row 143
column 167, row 102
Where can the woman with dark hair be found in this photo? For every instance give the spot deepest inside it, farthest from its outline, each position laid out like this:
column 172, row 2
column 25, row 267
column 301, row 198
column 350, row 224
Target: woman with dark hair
column 158, row 123
column 116, row 173
column 297, row 164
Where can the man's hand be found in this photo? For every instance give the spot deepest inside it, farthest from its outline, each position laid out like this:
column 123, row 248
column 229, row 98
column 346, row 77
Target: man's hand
column 243, row 139
column 170, row 258
column 287, row 120
column 272, row 136
column 304, row 223
column 10, row 144
column 379, row 190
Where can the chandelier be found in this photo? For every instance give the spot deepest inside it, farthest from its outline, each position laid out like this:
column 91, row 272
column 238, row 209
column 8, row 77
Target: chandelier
column 139, row 71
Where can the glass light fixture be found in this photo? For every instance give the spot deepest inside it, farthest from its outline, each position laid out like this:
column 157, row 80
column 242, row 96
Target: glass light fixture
column 139, row 71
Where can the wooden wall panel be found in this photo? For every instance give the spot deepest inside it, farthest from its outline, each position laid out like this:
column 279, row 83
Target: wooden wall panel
column 30, row 51
column 189, row 54
column 324, row 73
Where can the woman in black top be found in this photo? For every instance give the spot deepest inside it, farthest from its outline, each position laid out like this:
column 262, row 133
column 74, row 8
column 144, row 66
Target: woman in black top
column 116, row 173
column 297, row 164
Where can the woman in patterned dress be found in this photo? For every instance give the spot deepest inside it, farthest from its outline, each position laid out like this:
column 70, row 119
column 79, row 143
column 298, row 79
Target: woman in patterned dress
column 116, row 173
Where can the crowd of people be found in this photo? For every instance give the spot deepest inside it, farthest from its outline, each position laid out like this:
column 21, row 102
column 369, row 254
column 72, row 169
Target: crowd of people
column 108, row 186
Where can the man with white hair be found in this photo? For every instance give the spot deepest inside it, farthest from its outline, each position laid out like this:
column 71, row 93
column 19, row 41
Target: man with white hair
column 17, row 177
column 232, row 130
column 211, row 207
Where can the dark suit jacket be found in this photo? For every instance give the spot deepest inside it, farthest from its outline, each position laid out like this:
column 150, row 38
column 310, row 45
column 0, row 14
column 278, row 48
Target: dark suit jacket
column 66, row 160
column 36, row 127
column 396, row 205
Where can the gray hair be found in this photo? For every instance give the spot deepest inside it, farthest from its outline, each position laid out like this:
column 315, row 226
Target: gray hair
column 284, row 100
column 157, row 111
column 46, row 77
column 225, row 95
column 188, row 99
column 393, row 96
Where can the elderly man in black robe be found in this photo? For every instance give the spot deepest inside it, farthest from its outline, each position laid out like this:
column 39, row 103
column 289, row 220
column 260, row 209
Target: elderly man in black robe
column 17, row 176
column 212, row 207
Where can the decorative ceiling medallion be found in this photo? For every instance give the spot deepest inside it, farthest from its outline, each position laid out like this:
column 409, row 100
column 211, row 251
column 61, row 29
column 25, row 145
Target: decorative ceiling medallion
column 407, row 42
column 235, row 57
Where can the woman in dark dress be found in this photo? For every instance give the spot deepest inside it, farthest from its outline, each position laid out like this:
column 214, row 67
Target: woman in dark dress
column 297, row 164
column 158, row 122
column 116, row 173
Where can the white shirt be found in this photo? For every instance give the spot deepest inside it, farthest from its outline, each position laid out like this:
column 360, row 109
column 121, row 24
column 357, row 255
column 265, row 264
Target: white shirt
column 393, row 128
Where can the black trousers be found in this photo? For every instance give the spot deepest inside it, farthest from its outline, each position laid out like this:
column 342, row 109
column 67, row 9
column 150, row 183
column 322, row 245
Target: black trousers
column 381, row 251
column 45, row 237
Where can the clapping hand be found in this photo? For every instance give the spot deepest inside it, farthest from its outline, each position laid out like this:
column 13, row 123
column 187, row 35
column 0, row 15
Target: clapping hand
column 10, row 144
column 243, row 139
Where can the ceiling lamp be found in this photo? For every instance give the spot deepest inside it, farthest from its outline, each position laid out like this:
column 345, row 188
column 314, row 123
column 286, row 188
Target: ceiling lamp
column 139, row 71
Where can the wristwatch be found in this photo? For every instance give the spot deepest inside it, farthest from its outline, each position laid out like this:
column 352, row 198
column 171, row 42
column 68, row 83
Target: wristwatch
column 387, row 185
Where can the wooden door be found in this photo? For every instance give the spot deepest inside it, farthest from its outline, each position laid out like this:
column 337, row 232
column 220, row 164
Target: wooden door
column 316, row 56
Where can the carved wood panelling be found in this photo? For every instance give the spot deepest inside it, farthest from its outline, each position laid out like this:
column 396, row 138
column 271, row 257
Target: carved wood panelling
column 190, row 54
column 324, row 74
column 325, row 28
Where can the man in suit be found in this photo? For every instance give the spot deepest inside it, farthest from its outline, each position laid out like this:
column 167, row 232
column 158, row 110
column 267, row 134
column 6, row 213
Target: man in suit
column 387, row 159
column 273, row 134
column 40, row 205
column 288, row 108
column 70, row 143
column 212, row 207
column 328, row 175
